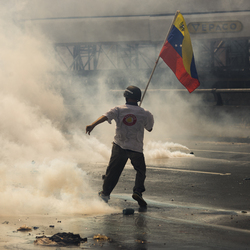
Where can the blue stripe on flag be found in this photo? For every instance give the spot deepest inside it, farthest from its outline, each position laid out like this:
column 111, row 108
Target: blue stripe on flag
column 193, row 69
column 175, row 38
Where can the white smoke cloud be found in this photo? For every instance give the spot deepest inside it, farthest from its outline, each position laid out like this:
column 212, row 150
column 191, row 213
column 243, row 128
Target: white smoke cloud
column 43, row 118
column 39, row 165
column 159, row 150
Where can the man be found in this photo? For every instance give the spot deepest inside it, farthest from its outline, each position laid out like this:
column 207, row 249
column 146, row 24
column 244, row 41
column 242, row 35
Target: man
column 131, row 120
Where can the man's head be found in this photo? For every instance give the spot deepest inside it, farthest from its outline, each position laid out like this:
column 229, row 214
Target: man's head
column 132, row 92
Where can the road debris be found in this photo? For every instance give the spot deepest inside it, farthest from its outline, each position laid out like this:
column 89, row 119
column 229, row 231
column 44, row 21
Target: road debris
column 60, row 239
column 101, row 237
column 141, row 241
column 45, row 241
column 24, row 228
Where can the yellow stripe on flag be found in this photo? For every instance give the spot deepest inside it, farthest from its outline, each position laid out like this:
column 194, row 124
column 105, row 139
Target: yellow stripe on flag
column 187, row 51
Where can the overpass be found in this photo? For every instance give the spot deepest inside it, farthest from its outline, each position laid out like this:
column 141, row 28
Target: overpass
column 126, row 45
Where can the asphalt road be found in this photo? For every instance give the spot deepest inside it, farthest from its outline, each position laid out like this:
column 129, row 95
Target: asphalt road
column 200, row 202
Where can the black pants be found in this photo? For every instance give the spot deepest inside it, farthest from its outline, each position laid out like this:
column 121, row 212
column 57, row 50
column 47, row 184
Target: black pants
column 116, row 165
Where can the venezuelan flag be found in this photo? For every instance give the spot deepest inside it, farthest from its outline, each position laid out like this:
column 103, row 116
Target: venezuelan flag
column 177, row 53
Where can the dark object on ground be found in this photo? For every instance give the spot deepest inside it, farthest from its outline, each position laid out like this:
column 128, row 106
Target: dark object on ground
column 67, row 238
column 128, row 211
column 24, row 228
column 61, row 239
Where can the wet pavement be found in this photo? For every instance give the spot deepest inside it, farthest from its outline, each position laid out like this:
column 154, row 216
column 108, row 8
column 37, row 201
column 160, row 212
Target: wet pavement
column 200, row 202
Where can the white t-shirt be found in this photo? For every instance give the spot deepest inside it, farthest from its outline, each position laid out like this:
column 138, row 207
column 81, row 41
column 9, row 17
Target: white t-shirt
column 131, row 120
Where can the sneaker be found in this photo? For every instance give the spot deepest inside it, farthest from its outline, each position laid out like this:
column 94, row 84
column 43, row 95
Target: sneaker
column 142, row 209
column 138, row 197
column 104, row 197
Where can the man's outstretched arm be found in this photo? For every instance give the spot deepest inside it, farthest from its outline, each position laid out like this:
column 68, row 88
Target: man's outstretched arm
column 90, row 127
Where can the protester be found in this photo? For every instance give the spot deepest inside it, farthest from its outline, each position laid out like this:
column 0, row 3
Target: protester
column 131, row 120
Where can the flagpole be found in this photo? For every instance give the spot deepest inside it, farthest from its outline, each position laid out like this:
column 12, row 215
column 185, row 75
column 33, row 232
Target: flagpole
column 157, row 60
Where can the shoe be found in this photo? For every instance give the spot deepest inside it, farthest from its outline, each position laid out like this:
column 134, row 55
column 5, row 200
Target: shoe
column 138, row 197
column 104, row 197
column 142, row 209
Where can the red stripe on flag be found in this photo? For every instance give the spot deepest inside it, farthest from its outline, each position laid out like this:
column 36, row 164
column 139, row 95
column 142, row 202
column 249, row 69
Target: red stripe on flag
column 175, row 62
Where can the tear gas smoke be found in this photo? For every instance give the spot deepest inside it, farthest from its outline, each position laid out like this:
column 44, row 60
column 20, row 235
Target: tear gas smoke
column 157, row 150
column 42, row 136
column 43, row 118
column 39, row 172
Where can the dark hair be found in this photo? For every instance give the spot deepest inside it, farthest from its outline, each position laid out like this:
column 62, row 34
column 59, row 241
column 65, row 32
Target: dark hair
column 132, row 92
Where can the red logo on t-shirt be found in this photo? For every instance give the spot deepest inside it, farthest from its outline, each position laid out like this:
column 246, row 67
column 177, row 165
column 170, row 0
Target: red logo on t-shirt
column 129, row 120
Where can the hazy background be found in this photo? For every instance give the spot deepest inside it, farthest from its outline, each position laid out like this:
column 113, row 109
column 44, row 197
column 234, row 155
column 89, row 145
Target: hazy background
column 62, row 8
column 44, row 114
